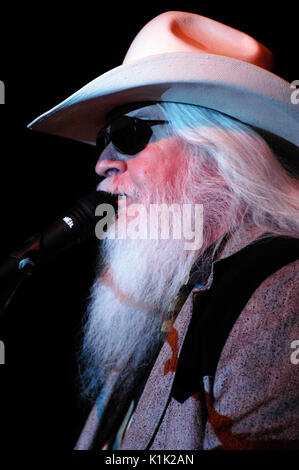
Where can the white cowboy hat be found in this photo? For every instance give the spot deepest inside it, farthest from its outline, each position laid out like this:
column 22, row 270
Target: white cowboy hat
column 184, row 58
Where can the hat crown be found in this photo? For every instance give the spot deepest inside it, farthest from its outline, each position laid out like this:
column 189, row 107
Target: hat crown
column 176, row 31
column 186, row 58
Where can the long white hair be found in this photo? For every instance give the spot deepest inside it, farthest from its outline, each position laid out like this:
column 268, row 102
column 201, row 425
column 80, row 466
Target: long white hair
column 256, row 190
column 233, row 172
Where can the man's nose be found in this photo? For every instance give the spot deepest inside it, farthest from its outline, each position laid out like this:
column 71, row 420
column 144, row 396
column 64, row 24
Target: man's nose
column 109, row 167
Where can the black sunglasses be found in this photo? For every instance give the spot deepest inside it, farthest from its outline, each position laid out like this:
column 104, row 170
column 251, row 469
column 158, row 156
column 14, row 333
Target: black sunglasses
column 128, row 134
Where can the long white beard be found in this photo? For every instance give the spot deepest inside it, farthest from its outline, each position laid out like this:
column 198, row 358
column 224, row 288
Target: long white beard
column 129, row 302
column 130, row 298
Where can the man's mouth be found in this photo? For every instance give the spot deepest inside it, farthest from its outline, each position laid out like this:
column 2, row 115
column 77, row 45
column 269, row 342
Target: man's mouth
column 117, row 191
column 123, row 198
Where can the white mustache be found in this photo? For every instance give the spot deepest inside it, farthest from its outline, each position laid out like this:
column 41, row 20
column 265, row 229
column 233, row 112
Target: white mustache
column 111, row 185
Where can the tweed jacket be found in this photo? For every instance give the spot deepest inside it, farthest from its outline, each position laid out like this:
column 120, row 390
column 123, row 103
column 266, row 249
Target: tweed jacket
column 251, row 402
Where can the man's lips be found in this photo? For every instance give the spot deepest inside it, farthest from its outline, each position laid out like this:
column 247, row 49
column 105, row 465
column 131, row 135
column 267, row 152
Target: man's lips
column 118, row 192
column 127, row 194
column 122, row 198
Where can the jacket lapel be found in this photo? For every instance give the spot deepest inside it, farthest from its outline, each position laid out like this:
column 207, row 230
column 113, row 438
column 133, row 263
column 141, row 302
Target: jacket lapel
column 156, row 394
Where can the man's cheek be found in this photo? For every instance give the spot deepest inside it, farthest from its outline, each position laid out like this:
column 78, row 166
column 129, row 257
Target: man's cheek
column 144, row 175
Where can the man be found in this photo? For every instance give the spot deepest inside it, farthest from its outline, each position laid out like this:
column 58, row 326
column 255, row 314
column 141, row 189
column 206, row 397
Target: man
column 192, row 348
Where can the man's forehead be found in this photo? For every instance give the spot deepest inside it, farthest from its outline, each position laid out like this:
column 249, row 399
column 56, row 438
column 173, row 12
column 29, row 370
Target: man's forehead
column 129, row 107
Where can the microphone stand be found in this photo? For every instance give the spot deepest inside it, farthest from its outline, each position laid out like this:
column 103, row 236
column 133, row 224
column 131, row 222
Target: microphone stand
column 20, row 264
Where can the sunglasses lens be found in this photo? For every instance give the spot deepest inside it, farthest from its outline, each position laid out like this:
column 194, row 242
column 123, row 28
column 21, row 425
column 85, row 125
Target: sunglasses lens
column 129, row 135
column 102, row 141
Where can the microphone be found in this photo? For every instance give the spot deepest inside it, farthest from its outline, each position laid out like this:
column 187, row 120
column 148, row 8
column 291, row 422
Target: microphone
column 73, row 227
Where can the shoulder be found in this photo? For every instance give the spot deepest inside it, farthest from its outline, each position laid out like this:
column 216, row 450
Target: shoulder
column 278, row 294
column 270, row 318
column 256, row 382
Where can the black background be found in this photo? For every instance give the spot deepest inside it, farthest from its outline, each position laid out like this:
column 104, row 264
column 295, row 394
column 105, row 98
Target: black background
column 49, row 50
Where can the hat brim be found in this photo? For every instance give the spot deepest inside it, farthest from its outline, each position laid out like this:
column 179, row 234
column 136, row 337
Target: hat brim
column 237, row 88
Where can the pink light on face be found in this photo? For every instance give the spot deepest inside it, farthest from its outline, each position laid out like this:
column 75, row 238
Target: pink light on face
column 157, row 166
